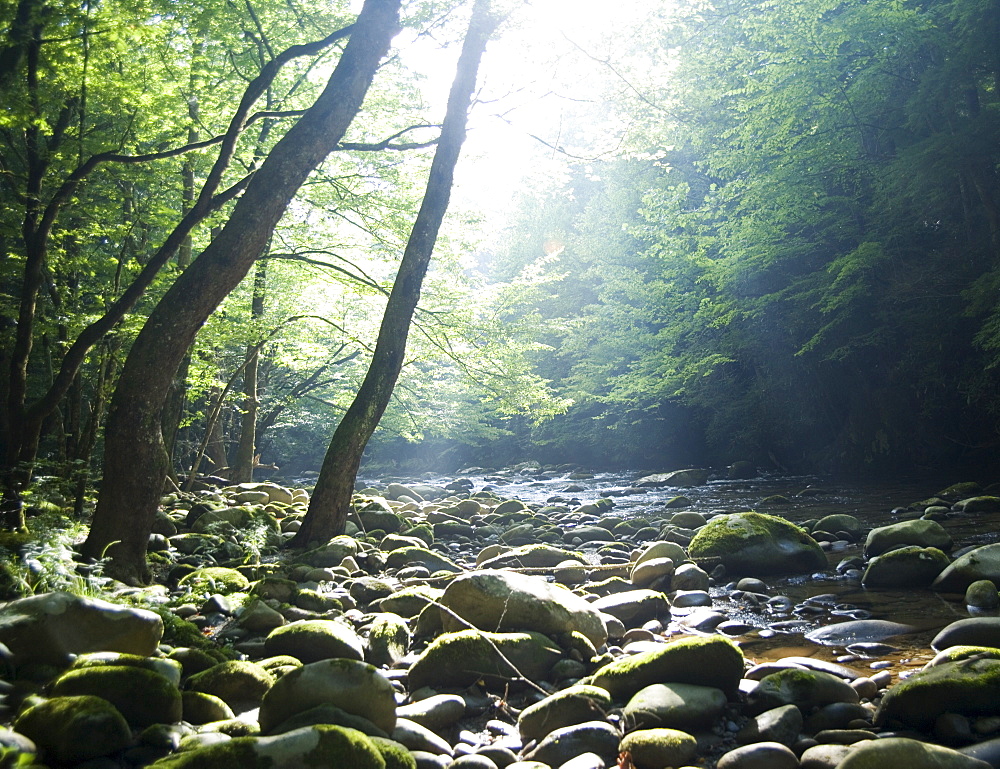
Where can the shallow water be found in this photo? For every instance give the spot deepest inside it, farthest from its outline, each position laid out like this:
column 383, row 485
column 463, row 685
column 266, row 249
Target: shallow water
column 816, row 600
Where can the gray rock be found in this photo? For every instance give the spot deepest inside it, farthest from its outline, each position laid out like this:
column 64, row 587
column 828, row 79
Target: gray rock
column 332, row 553
column 561, row 745
column 49, row 627
column 675, row 706
column 353, row 686
column 982, row 594
column 421, row 556
column 919, row 532
column 761, row 755
column 782, row 724
column 661, row 549
column 689, row 576
column 755, row 544
column 498, row 600
column 978, row 564
column 436, row 712
column 531, row 556
column 823, row 756
column 634, row 606
column 650, row 570
column 417, row 737
column 974, row 631
column 805, row 688
column 388, row 639
column 681, row 478
column 912, row 754
column 858, row 631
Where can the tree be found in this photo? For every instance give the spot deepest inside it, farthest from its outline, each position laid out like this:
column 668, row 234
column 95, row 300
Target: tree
column 135, row 463
column 330, row 503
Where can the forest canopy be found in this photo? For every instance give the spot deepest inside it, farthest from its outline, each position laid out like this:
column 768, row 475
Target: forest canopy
column 682, row 233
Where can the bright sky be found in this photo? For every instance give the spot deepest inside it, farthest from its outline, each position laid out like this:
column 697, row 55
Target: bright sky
column 541, row 83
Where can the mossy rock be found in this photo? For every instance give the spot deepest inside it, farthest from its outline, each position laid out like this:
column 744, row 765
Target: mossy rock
column 969, row 687
column 531, row 556
column 237, row 683
column 806, row 689
column 656, row 748
column 168, row 668
column 709, row 661
column 202, row 708
column 960, row 490
column 353, row 686
column 840, row 522
column 388, row 639
column 74, row 729
column 913, row 567
column 420, row 556
column 755, row 544
column 314, row 640
column 464, row 657
column 906, row 752
column 395, row 755
column 332, row 553
column 313, row 746
column 410, row 601
column 142, row 696
column 573, row 705
column 217, row 579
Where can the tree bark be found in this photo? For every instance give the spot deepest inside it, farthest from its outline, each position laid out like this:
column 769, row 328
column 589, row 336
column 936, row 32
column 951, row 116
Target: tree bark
column 135, row 463
column 243, row 464
column 331, row 498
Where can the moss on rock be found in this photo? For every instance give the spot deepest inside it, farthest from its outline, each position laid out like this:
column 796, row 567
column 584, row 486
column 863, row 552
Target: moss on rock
column 755, row 544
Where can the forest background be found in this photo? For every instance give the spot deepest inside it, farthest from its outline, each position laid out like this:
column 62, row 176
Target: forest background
column 683, row 233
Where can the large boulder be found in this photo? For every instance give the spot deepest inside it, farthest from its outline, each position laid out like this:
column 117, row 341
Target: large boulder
column 460, row 659
column 911, row 566
column 913, row 754
column 681, row 478
column 142, row 696
column 805, row 689
column 675, row 706
column 978, row 564
column 710, row 661
column 969, row 687
column 755, row 544
column 573, row 705
column 972, row 631
column 920, row 532
column 353, row 686
column 500, row 600
column 49, row 627
column 71, row 730
column 313, row 640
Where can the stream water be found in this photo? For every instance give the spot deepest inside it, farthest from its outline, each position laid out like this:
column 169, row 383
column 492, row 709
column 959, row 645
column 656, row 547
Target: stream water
column 814, row 600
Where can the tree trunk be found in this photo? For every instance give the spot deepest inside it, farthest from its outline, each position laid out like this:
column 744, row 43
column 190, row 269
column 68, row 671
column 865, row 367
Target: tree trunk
column 135, row 462
column 331, row 498
column 243, row 463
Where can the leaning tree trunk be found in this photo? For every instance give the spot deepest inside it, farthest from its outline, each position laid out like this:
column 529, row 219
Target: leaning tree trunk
column 331, row 498
column 243, row 464
column 135, row 462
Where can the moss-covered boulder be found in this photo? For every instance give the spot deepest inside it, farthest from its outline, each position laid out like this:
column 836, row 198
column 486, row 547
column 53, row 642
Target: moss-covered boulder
column 331, row 553
column 913, row 567
column 421, row 556
column 216, row 579
column 142, row 696
column 202, row 708
column 662, row 549
column 462, row 658
column 981, row 563
column 239, row 684
column 920, row 532
column 71, row 730
column 353, row 686
column 969, row 687
column 500, row 600
column 49, row 627
column 709, row 661
column 675, row 706
column 312, row 746
column 806, row 689
column 168, row 668
column 756, row 544
column 410, row 601
column 315, row 639
column 910, row 753
column 396, row 756
column 562, row 745
column 656, row 748
column 573, row 705
column 531, row 556
column 388, row 639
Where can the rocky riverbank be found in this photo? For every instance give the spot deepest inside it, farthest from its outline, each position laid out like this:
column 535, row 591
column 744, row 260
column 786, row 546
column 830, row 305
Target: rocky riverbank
column 454, row 627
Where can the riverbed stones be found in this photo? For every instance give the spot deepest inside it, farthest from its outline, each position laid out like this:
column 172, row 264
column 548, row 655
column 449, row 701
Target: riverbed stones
column 321, row 745
column 633, row 607
column 782, row 724
column 388, row 639
column 353, row 686
column 980, row 563
column 755, row 544
column 461, row 658
column 48, row 627
column 573, row 705
column 421, row 556
column 760, row 755
column 652, row 570
column 910, row 566
column 238, row 683
column 806, row 689
column 435, row 712
column 529, row 556
column 675, row 706
column 968, row 687
column 314, row 640
column 561, row 745
column 331, row 553
column 858, row 631
column 496, row 600
column 919, row 532
column 657, row 748
column 680, row 478
column 982, row 594
column 73, row 729
column 662, row 549
column 909, row 753
column 707, row 661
